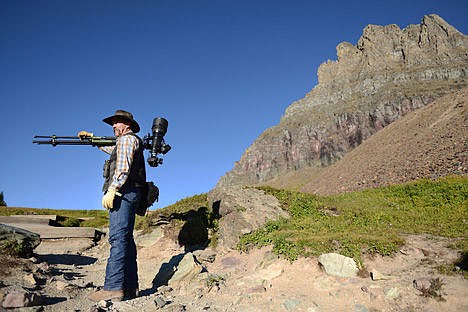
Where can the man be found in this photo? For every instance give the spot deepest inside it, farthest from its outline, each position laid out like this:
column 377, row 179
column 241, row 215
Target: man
column 122, row 193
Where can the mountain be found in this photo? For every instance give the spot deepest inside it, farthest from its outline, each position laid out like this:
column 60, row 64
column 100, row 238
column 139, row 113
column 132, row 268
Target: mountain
column 430, row 142
column 389, row 73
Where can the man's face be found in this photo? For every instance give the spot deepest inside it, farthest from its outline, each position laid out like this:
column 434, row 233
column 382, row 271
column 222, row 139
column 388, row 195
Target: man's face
column 120, row 126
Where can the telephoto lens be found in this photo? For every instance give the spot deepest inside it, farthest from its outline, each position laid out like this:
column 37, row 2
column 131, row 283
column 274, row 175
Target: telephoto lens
column 158, row 145
column 159, row 126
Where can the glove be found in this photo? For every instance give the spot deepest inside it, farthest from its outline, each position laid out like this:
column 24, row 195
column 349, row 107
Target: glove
column 108, row 199
column 83, row 134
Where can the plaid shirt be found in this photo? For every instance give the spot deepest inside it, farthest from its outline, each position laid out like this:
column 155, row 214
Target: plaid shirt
column 126, row 146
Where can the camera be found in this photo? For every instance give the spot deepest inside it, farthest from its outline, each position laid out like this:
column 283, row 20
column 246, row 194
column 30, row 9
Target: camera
column 155, row 142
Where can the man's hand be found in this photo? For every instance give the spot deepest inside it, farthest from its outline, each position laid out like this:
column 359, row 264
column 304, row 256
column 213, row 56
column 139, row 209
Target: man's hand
column 108, row 199
column 85, row 134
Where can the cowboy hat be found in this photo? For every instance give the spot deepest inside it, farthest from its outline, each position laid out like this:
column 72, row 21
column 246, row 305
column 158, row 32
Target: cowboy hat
column 124, row 115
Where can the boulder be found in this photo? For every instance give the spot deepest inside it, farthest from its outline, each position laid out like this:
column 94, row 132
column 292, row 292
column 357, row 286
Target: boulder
column 241, row 211
column 19, row 299
column 187, row 270
column 338, row 265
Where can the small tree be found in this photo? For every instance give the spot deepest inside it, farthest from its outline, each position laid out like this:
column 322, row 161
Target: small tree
column 2, row 201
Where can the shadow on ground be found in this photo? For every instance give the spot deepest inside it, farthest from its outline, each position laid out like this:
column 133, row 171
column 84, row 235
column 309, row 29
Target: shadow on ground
column 164, row 274
column 52, row 300
column 67, row 259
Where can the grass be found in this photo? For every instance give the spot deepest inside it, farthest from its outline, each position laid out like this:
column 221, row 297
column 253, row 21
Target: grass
column 86, row 218
column 434, row 290
column 183, row 206
column 198, row 224
column 100, row 218
column 13, row 248
column 370, row 221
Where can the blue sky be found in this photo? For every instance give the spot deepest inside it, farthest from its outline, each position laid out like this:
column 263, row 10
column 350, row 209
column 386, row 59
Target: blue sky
column 221, row 72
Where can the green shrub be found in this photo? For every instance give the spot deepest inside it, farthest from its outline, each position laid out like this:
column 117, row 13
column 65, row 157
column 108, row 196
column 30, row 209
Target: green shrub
column 69, row 222
column 13, row 248
column 2, row 200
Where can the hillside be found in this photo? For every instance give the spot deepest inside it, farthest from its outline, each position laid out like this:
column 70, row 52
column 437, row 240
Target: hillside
column 428, row 143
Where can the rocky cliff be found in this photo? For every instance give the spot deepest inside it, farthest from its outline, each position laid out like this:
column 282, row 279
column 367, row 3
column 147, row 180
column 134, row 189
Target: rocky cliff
column 389, row 73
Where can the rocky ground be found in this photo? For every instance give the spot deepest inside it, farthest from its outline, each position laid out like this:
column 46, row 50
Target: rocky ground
column 430, row 142
column 61, row 277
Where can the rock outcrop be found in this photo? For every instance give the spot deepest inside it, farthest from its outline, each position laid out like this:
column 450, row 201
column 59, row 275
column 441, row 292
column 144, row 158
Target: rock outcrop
column 431, row 142
column 389, row 73
column 242, row 211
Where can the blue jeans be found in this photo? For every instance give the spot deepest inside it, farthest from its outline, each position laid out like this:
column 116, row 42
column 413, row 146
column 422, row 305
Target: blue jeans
column 121, row 269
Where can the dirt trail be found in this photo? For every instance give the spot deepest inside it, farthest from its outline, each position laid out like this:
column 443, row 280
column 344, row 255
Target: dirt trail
column 255, row 281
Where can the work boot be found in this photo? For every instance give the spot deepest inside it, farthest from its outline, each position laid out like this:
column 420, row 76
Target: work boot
column 130, row 293
column 114, row 295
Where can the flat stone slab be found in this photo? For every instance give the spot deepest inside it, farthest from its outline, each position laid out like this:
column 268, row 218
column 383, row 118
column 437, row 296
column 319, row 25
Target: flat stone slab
column 52, row 232
column 63, row 246
column 41, row 219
